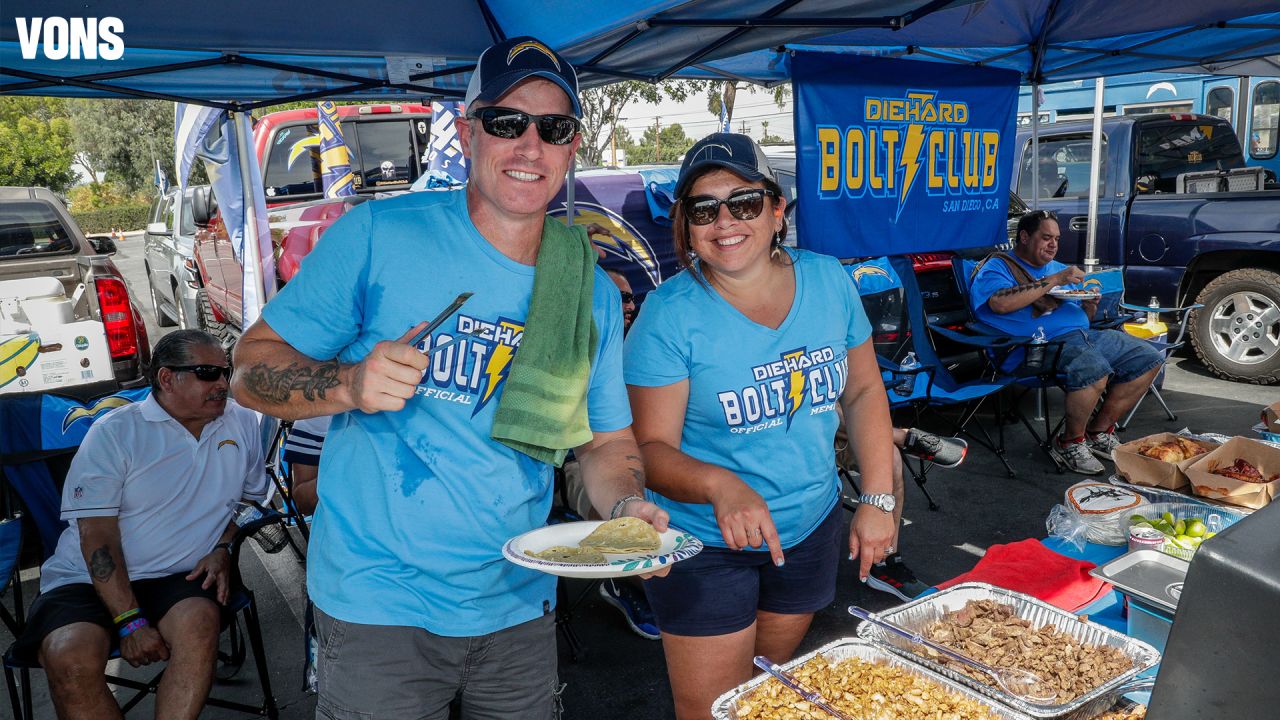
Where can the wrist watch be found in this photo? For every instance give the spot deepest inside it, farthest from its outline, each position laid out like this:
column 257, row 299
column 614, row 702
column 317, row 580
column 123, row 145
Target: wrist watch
column 882, row 501
column 223, row 546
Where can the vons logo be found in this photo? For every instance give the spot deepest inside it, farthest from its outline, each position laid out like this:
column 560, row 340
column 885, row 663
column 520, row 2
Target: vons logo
column 76, row 38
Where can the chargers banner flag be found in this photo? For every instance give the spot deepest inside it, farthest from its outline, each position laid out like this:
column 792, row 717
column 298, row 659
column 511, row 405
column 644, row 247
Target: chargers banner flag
column 901, row 156
column 335, row 158
column 445, row 161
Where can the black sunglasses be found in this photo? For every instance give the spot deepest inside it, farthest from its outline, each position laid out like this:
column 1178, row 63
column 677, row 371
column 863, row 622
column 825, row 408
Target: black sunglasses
column 627, row 297
column 207, row 373
column 1044, row 214
column 510, row 124
column 743, row 205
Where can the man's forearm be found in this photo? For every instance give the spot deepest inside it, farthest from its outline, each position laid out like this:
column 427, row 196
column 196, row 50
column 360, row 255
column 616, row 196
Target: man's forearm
column 612, row 471
column 100, row 545
column 1012, row 299
column 277, row 380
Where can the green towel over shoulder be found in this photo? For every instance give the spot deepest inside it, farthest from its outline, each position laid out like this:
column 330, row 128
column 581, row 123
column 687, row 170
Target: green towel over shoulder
column 543, row 409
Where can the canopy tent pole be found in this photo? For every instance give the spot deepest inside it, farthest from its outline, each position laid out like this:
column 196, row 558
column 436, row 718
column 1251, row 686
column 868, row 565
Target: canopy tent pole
column 1095, row 167
column 1035, row 146
column 569, row 191
column 252, row 248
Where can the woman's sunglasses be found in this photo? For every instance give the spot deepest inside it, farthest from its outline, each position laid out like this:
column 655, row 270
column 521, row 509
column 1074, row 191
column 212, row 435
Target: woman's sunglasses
column 743, row 205
column 207, row 373
column 510, row 124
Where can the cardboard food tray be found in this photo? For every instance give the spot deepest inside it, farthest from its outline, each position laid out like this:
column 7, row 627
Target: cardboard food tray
column 1142, row 470
column 1237, row 492
column 1271, row 418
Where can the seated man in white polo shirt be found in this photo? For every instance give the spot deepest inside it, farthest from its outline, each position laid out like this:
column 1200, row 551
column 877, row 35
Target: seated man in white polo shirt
column 144, row 564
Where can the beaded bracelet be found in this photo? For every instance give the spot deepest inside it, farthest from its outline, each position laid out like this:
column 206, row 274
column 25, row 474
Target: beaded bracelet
column 125, row 616
column 129, row 629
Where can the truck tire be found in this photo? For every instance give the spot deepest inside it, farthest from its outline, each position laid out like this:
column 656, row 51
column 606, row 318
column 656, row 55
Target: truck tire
column 209, row 323
column 162, row 319
column 1237, row 332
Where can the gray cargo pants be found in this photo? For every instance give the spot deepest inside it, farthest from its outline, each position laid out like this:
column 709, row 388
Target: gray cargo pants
column 379, row 672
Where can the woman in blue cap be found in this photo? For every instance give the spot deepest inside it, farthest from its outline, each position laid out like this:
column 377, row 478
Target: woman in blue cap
column 735, row 370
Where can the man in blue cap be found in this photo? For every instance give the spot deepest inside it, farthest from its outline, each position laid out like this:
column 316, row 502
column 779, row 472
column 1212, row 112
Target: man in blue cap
column 424, row 477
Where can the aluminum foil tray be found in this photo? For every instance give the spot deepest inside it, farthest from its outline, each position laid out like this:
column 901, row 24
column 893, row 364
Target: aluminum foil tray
column 725, row 707
column 919, row 614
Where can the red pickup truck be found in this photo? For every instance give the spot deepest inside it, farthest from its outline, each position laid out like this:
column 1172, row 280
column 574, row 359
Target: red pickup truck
column 388, row 145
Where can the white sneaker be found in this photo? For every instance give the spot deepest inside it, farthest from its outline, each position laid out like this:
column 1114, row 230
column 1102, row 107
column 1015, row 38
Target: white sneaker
column 1101, row 444
column 1076, row 457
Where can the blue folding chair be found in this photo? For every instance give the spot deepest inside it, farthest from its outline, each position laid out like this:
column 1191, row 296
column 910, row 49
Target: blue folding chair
column 895, row 309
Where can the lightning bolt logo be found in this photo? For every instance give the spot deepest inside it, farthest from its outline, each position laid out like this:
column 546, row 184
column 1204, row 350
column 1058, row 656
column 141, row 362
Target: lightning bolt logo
column 910, row 163
column 303, row 147
column 624, row 240
column 796, row 391
column 93, row 411
column 497, row 367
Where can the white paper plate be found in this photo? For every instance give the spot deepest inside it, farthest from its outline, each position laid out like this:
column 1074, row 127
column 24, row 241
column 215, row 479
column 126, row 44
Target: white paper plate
column 1070, row 294
column 676, row 545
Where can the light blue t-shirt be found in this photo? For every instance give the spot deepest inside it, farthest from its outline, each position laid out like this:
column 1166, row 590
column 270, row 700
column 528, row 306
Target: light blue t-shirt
column 994, row 276
column 415, row 505
column 762, row 402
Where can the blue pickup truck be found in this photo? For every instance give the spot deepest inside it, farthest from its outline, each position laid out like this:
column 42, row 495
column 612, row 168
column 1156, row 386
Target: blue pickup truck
column 1184, row 217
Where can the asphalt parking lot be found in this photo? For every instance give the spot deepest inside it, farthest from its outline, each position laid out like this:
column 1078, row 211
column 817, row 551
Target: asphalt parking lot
column 622, row 675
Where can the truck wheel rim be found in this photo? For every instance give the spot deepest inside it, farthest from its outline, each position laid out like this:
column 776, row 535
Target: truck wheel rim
column 1245, row 327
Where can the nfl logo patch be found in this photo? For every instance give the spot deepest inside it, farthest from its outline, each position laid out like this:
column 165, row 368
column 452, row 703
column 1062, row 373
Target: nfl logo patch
column 79, row 493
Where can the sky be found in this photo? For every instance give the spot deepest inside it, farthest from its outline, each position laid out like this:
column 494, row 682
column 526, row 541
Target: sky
column 692, row 115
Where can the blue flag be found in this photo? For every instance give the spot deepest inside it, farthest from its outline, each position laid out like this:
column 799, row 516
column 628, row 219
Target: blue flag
column 161, row 180
column 724, row 117
column 445, row 161
column 190, row 125
column 895, row 157
column 335, row 158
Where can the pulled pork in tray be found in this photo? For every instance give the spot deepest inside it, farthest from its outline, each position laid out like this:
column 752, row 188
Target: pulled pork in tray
column 989, row 631
column 861, row 689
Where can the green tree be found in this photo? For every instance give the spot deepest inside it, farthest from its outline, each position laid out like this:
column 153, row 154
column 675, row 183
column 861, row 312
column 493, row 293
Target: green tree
column 35, row 143
column 124, row 138
column 726, row 93
column 603, row 106
column 666, row 146
column 766, row 138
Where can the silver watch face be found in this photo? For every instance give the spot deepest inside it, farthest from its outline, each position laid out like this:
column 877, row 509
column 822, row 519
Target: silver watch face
column 884, row 501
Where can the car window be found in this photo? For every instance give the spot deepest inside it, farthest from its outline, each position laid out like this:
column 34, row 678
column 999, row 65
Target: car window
column 293, row 161
column 188, row 223
column 1167, row 151
column 170, row 208
column 155, row 213
column 386, row 154
column 31, row 227
column 1265, row 129
column 1064, row 167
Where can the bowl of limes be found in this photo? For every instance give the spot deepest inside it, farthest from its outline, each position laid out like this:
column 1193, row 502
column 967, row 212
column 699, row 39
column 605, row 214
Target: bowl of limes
column 1184, row 525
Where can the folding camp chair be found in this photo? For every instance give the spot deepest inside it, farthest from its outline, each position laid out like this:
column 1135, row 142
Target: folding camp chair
column 241, row 603
column 1036, row 380
column 894, row 307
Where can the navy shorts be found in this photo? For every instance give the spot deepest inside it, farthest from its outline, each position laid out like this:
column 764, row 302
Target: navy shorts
column 719, row 590
column 1090, row 355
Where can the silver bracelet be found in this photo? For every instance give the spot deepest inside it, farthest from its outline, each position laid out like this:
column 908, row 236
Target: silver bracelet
column 617, row 507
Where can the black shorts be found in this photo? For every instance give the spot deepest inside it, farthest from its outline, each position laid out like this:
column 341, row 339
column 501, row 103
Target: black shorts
column 79, row 602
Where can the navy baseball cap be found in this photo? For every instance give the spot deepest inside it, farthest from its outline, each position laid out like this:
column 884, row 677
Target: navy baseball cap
column 504, row 65
column 736, row 153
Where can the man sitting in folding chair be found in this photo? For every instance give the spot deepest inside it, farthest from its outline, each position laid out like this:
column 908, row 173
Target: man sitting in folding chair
column 1012, row 294
column 145, row 563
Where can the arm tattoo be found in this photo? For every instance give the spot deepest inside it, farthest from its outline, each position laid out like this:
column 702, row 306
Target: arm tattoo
column 1021, row 288
column 276, row 385
column 101, row 566
column 638, row 474
column 635, row 458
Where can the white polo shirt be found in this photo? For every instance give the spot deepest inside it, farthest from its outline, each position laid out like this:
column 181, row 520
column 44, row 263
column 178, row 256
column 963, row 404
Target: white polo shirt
column 168, row 489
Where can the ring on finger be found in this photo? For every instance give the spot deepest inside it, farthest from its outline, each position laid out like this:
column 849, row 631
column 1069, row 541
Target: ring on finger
column 888, row 550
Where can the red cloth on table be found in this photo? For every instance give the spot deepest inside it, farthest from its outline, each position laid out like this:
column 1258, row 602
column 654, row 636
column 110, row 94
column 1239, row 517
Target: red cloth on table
column 1031, row 568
